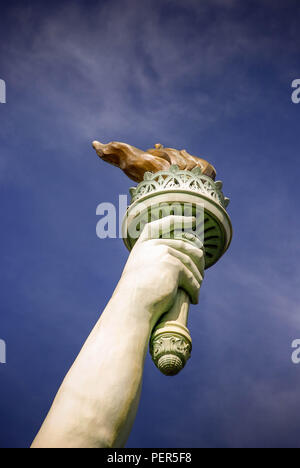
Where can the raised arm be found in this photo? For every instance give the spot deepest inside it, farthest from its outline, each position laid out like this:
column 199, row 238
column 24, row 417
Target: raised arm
column 97, row 402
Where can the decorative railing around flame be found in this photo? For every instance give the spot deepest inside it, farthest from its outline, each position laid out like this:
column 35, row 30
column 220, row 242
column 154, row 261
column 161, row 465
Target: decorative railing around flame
column 176, row 179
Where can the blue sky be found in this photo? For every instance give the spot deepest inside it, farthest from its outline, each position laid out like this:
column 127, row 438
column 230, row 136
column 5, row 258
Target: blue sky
column 213, row 77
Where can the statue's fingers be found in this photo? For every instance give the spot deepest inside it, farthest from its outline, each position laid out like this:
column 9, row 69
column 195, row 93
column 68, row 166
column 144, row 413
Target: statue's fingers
column 189, row 283
column 164, row 226
column 188, row 262
column 187, row 248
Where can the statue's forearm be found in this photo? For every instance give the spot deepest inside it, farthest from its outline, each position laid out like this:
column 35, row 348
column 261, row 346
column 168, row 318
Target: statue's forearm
column 97, row 402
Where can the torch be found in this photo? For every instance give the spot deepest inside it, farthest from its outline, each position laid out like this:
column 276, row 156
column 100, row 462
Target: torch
column 172, row 182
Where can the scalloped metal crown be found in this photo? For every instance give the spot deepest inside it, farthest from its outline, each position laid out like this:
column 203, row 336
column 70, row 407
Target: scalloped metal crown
column 177, row 179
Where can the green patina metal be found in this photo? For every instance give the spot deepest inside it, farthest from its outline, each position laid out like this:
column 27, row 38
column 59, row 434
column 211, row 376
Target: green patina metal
column 210, row 231
column 176, row 179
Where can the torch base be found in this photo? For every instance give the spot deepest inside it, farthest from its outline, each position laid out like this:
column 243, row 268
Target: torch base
column 170, row 351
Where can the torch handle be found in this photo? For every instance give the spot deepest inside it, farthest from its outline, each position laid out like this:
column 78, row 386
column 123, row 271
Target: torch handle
column 171, row 343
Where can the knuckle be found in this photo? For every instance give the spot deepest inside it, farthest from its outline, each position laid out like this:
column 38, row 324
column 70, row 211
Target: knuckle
column 175, row 262
column 168, row 220
column 183, row 245
column 162, row 250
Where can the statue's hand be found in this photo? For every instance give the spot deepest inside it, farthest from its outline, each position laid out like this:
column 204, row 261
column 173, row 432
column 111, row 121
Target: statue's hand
column 157, row 267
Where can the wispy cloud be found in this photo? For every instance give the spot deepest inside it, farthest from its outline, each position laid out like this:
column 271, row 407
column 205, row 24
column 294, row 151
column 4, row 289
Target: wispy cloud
column 127, row 64
column 212, row 74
